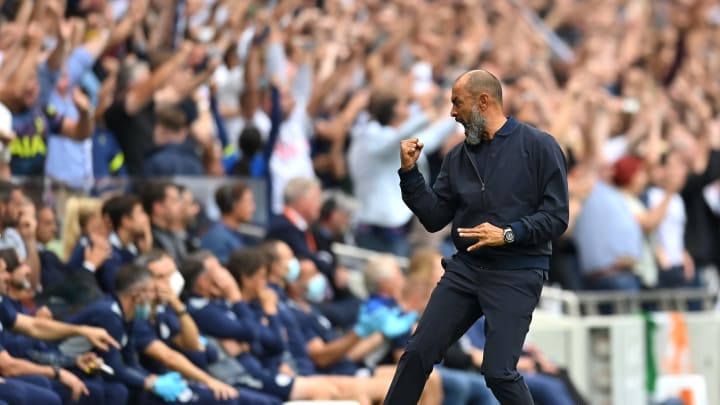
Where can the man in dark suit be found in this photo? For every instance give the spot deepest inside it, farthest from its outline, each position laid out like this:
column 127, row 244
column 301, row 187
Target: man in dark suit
column 303, row 201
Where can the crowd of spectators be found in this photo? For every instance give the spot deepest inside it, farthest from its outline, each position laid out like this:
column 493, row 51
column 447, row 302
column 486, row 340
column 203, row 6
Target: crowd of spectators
column 113, row 102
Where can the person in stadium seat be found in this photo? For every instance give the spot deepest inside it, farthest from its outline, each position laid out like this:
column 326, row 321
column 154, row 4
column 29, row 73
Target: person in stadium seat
column 130, row 235
column 124, row 315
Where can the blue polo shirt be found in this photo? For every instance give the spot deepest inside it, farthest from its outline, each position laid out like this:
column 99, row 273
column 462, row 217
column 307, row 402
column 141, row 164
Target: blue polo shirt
column 314, row 325
column 293, row 334
column 166, row 326
column 220, row 319
column 222, row 241
column 269, row 346
column 19, row 345
column 8, row 315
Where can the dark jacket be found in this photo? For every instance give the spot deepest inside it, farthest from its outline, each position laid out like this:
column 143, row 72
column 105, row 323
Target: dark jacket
column 176, row 244
column 105, row 274
column 525, row 187
column 135, row 336
column 702, row 230
column 173, row 160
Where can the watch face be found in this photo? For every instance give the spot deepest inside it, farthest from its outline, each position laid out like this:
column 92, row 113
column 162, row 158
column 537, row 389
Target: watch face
column 509, row 236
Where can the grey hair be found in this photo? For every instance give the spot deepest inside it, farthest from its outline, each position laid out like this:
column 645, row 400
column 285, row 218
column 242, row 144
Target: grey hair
column 297, row 187
column 343, row 201
column 377, row 269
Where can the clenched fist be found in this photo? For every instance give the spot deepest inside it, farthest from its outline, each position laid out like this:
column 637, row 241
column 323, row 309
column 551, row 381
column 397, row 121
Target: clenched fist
column 409, row 153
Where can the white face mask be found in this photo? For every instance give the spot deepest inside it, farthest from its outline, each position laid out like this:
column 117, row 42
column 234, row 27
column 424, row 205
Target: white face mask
column 177, row 283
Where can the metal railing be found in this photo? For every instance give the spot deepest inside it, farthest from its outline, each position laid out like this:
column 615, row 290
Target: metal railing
column 577, row 303
column 355, row 258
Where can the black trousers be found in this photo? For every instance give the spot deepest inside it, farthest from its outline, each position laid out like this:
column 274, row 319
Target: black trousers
column 507, row 298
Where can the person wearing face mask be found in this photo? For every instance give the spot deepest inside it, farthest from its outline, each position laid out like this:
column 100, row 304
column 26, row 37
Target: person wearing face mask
column 303, row 200
column 125, row 316
column 170, row 319
column 284, row 268
column 331, row 353
column 224, row 316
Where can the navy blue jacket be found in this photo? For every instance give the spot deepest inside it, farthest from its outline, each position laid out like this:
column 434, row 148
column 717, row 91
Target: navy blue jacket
column 53, row 270
column 8, row 316
column 293, row 333
column 269, row 346
column 133, row 335
column 519, row 179
column 26, row 347
column 105, row 274
column 173, row 160
column 222, row 241
column 166, row 326
column 222, row 320
column 314, row 325
column 19, row 345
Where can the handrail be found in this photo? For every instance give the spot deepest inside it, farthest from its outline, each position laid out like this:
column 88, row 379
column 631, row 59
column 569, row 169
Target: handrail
column 579, row 303
column 354, row 253
column 575, row 303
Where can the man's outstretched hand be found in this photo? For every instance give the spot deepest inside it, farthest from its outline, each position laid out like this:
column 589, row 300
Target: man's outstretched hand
column 487, row 235
column 409, row 153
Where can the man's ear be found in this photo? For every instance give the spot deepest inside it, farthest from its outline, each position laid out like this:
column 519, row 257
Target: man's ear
column 483, row 101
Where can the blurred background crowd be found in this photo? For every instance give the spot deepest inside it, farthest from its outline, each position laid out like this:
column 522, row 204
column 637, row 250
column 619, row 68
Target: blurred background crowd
column 108, row 107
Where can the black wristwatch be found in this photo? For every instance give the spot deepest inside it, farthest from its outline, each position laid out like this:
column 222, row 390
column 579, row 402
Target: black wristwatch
column 508, row 235
column 56, row 372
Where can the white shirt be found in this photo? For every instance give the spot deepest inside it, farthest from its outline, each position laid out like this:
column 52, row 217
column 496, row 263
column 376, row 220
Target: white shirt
column 373, row 162
column 671, row 232
column 10, row 238
column 230, row 85
column 291, row 154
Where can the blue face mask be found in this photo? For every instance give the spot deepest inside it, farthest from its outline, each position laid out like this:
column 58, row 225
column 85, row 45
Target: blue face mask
column 293, row 270
column 316, row 288
column 142, row 311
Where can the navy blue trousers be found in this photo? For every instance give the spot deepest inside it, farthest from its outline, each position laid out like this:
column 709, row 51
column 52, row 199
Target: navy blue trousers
column 28, row 390
column 507, row 298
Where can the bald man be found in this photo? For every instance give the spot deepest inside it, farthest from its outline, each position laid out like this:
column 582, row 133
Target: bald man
column 505, row 191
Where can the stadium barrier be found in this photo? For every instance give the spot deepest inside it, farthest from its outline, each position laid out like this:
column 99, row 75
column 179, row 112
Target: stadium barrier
column 614, row 359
